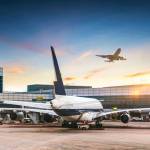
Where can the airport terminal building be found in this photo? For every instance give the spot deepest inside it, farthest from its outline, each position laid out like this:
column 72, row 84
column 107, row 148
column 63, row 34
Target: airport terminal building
column 129, row 96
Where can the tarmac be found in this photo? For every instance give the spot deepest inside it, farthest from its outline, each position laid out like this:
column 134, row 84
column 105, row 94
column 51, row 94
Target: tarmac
column 114, row 136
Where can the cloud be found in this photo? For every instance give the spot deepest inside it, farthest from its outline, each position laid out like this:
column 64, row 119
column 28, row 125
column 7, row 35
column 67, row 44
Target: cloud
column 94, row 72
column 15, row 44
column 84, row 55
column 138, row 74
column 70, row 78
column 15, row 69
column 26, row 46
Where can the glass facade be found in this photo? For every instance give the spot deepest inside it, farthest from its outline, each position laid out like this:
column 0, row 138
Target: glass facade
column 112, row 91
column 132, row 96
column 25, row 96
column 1, row 80
column 42, row 87
column 38, row 87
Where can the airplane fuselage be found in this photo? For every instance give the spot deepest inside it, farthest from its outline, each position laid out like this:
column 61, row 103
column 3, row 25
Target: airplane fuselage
column 77, row 109
column 112, row 57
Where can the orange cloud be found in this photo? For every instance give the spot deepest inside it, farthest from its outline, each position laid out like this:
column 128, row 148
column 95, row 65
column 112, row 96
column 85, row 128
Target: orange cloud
column 69, row 78
column 16, row 69
column 138, row 74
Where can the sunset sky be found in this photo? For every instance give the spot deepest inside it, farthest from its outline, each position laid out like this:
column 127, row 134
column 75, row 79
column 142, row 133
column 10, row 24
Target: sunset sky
column 78, row 30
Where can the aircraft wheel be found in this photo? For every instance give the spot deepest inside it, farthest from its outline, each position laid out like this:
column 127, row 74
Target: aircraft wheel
column 74, row 125
column 65, row 124
column 98, row 124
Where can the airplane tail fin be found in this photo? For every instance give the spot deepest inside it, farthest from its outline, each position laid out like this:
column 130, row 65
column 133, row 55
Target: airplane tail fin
column 117, row 52
column 58, row 84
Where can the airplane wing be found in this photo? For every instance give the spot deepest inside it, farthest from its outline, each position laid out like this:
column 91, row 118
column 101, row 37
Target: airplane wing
column 39, row 105
column 50, row 112
column 103, row 56
column 27, row 107
column 122, row 111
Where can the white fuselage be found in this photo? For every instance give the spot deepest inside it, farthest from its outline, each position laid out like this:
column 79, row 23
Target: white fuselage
column 72, row 108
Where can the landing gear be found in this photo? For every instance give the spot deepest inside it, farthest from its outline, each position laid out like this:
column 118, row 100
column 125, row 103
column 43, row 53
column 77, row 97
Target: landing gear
column 73, row 125
column 98, row 124
column 67, row 124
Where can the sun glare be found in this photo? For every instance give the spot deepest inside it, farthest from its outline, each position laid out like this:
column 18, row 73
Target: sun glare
column 136, row 92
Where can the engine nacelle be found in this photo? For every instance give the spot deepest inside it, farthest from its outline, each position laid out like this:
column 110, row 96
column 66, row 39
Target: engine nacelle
column 125, row 118
column 48, row 118
column 17, row 116
column 122, row 58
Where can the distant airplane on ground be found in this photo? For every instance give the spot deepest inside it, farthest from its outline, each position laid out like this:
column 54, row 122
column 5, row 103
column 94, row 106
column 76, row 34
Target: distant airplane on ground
column 113, row 57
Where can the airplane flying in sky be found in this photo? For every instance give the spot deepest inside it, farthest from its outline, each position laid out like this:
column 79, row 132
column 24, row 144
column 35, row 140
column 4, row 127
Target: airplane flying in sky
column 113, row 57
column 78, row 111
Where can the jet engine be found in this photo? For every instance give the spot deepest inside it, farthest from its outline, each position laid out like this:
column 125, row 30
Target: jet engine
column 122, row 58
column 48, row 118
column 125, row 118
column 17, row 116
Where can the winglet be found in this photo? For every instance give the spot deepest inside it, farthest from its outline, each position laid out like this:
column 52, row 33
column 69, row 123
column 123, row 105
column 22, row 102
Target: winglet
column 58, row 84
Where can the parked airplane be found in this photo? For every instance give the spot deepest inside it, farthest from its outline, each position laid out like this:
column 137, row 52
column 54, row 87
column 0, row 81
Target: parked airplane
column 78, row 110
column 113, row 57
